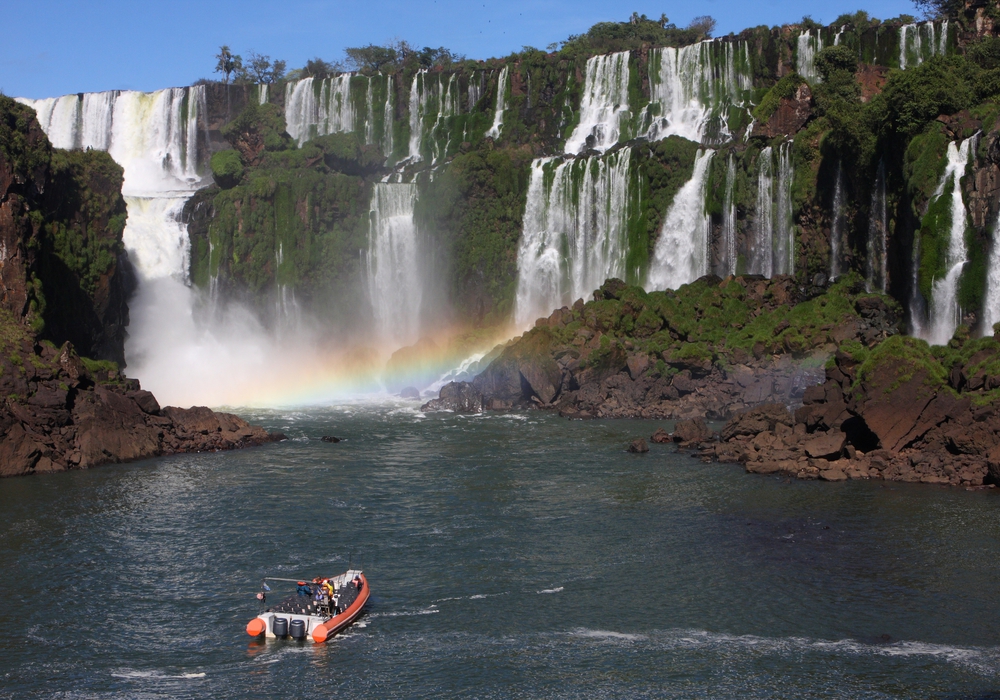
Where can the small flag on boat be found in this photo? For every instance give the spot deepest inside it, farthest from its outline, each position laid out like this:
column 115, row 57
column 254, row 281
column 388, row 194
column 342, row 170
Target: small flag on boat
column 265, row 587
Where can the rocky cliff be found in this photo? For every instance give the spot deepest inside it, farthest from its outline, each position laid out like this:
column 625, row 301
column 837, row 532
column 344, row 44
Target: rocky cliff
column 709, row 349
column 63, row 314
column 900, row 412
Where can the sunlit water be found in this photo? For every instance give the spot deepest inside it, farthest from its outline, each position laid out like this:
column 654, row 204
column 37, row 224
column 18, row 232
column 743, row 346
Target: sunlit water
column 513, row 555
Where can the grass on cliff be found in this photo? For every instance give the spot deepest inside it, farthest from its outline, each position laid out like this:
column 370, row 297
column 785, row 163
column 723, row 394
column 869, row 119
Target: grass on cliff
column 707, row 321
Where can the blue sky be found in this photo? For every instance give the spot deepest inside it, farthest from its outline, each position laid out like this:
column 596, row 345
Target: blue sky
column 53, row 47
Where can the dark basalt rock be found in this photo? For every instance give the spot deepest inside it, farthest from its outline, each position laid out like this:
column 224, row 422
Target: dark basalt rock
column 638, row 446
column 410, row 392
column 330, row 438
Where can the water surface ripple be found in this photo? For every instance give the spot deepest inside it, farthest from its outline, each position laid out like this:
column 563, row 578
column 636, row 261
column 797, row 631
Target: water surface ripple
column 509, row 555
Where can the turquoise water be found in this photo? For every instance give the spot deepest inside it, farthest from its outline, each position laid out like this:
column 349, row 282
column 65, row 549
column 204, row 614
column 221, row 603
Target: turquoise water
column 508, row 555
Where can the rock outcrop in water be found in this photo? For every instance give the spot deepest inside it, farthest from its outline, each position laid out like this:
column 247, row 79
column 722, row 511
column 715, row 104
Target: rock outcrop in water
column 63, row 285
column 898, row 412
column 710, row 349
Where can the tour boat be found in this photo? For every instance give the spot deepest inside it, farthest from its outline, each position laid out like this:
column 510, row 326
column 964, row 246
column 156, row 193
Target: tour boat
column 319, row 608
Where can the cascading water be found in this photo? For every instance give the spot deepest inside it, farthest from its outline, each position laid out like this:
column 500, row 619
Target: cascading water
column 991, row 305
column 810, row 43
column 919, row 42
column 262, row 93
column 876, row 267
column 316, row 107
column 727, row 252
column 419, row 97
column 320, row 106
column 574, row 234
column 784, row 228
column 502, row 88
column 837, row 224
column 395, row 280
column 761, row 258
column 944, row 307
column 681, row 253
column 604, row 105
column 158, row 139
column 475, row 89
column 691, row 89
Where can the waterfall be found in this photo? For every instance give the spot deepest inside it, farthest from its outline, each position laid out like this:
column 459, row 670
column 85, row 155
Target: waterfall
column 805, row 60
column 476, row 89
column 317, row 107
column 419, row 97
column 574, row 234
column 761, row 258
column 262, row 93
column 727, row 253
column 944, row 309
column 991, row 305
column 681, row 254
column 603, row 105
column 918, row 42
column 691, row 89
column 837, row 224
column 394, row 265
column 388, row 116
column 784, row 228
column 448, row 106
column 876, row 267
column 159, row 140
column 320, row 106
column 502, row 88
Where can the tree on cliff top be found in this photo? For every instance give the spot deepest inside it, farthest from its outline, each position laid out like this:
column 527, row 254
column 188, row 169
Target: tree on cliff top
column 639, row 30
column 227, row 63
column 940, row 9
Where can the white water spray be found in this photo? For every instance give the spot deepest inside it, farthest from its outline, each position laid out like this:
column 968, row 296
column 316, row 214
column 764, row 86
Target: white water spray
column 691, row 89
column 727, row 257
column 502, row 88
column 574, row 234
column 837, row 224
column 604, row 105
column 395, row 284
column 919, row 42
column 810, row 43
column 681, row 253
column 784, row 227
column 762, row 252
column 944, row 308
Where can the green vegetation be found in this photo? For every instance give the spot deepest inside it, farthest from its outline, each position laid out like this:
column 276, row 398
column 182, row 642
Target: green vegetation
column 782, row 90
column 638, row 31
column 708, row 321
column 474, row 208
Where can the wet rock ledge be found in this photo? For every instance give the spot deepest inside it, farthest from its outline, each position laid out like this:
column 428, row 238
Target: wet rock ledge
column 61, row 412
column 900, row 412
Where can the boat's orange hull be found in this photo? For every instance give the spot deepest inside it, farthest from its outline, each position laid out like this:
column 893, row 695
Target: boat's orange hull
column 335, row 624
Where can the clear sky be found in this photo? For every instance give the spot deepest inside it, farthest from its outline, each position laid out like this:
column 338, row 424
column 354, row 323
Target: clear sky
column 55, row 47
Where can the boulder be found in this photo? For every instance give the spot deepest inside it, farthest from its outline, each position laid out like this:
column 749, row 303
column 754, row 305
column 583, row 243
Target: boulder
column 692, row 431
column 826, row 446
column 330, row 438
column 661, row 436
column 410, row 392
column 638, row 446
column 461, row 397
column 756, row 420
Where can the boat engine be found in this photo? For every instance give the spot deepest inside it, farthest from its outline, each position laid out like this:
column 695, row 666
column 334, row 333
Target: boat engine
column 297, row 629
column 280, row 627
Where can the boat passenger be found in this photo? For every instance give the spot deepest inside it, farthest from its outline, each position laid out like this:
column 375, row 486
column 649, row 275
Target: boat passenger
column 357, row 582
column 304, row 588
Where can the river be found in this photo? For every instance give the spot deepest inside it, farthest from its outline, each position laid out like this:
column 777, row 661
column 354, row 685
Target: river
column 509, row 555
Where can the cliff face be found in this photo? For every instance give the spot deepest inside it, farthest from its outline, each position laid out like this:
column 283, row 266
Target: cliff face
column 63, row 268
column 847, row 157
column 63, row 291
